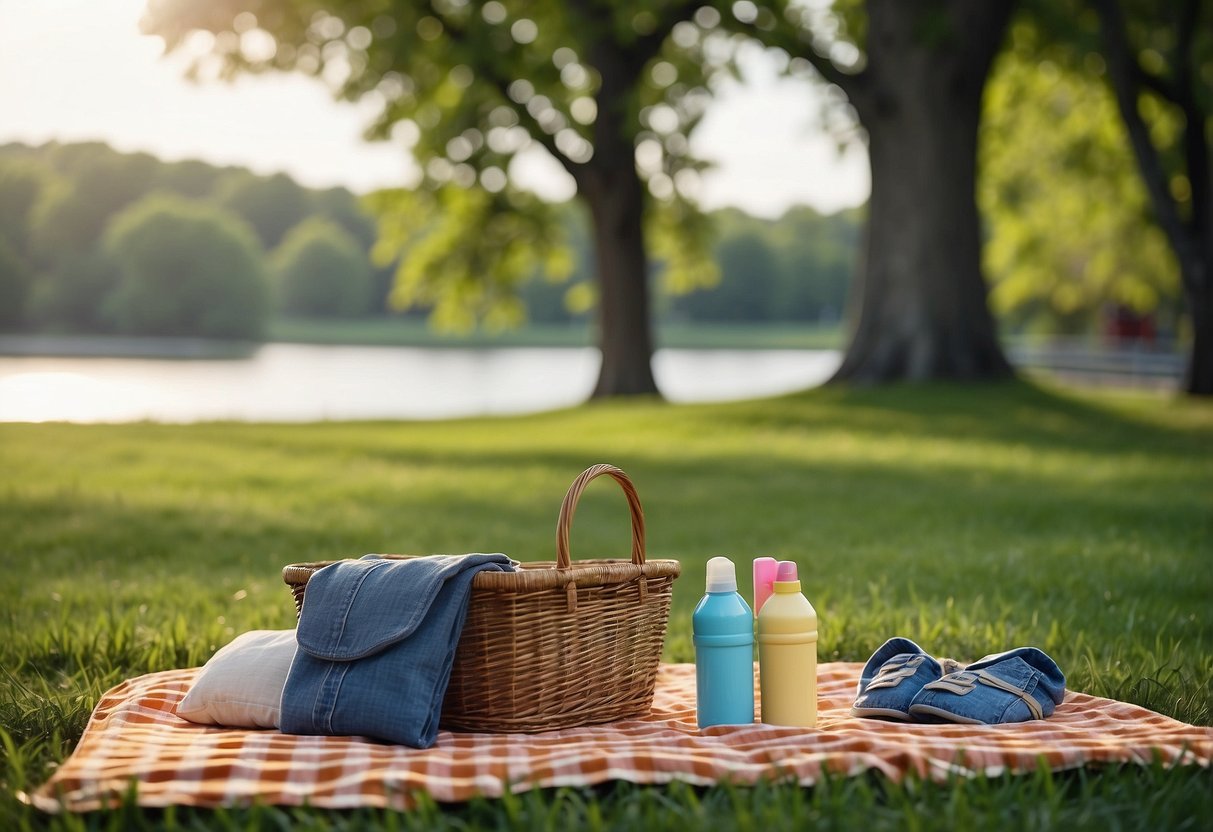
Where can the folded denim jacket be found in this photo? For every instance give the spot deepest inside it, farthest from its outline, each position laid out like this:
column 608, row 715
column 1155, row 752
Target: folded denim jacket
column 377, row 641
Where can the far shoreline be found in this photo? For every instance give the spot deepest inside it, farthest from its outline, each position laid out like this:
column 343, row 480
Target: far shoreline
column 388, row 332
column 1084, row 360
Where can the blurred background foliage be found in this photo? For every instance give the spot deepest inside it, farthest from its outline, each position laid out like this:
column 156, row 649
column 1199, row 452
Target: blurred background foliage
column 172, row 259
column 1068, row 218
column 1071, row 239
column 312, row 249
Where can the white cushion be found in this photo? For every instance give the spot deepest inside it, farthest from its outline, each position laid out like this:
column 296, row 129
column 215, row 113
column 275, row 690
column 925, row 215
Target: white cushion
column 241, row 686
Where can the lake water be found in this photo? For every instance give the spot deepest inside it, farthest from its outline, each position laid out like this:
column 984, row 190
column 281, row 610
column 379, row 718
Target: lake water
column 295, row 383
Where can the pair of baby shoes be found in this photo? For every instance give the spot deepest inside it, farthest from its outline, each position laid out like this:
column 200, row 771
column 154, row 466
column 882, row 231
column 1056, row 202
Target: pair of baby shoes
column 902, row 682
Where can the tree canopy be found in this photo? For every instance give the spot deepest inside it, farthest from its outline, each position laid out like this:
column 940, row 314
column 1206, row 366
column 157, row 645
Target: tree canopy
column 611, row 92
column 22, row 184
column 321, row 271
column 272, row 205
column 14, row 285
column 1069, row 220
column 186, row 269
column 57, row 202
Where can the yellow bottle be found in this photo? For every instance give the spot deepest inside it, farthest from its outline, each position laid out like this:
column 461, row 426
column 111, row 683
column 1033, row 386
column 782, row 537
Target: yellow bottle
column 787, row 653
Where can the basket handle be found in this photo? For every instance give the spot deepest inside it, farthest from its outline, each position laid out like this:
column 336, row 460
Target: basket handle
column 563, row 560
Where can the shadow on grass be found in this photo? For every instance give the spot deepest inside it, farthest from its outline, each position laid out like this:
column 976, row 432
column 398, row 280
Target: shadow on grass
column 1014, row 412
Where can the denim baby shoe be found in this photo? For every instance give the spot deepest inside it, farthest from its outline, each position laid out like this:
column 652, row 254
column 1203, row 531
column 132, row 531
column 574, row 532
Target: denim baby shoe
column 893, row 676
column 1014, row 686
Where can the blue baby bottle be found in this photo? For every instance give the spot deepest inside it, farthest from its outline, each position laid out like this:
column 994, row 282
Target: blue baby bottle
column 724, row 650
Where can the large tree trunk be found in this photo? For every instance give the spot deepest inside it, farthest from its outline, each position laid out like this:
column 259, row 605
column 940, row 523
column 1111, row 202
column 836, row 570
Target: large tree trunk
column 919, row 301
column 615, row 194
column 616, row 201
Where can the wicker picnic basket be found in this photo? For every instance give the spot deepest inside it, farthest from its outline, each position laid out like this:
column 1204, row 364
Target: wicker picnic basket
column 556, row 644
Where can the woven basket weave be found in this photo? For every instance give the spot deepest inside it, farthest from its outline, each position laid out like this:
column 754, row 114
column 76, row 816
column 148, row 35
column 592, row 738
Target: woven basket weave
column 556, row 644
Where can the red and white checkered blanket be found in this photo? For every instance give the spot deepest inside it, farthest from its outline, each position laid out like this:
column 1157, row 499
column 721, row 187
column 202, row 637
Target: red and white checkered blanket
column 135, row 734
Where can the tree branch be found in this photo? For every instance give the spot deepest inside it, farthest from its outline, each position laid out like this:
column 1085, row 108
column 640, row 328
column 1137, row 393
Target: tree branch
column 1195, row 140
column 1121, row 72
column 647, row 46
column 538, row 134
column 1174, row 89
column 851, row 84
column 795, row 38
column 501, row 82
column 1156, row 83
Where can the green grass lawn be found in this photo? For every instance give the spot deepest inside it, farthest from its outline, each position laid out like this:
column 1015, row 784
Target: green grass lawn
column 971, row 519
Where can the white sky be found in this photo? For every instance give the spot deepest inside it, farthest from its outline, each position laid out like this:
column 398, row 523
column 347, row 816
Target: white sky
column 75, row 70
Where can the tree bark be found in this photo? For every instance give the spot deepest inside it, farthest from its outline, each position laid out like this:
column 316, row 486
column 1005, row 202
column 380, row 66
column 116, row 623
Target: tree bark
column 1198, row 376
column 918, row 304
column 616, row 202
column 615, row 194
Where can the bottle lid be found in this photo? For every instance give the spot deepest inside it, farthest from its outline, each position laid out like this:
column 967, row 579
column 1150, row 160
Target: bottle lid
column 786, row 571
column 722, row 575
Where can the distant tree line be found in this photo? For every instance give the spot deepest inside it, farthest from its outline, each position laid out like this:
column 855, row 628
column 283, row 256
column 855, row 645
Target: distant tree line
column 97, row 241
column 794, row 269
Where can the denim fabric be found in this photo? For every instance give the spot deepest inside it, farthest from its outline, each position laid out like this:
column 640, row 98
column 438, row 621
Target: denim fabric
column 893, row 676
column 1015, row 686
column 377, row 640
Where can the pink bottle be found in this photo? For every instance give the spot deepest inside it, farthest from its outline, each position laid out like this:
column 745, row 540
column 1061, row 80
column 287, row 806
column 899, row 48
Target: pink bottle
column 764, row 581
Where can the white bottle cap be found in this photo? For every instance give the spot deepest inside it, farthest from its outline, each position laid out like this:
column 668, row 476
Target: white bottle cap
column 722, row 575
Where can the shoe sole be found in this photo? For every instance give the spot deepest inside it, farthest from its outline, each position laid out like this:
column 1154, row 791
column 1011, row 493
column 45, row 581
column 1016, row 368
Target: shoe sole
column 942, row 714
column 880, row 713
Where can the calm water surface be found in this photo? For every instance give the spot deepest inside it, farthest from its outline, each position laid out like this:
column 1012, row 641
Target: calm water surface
column 296, row 383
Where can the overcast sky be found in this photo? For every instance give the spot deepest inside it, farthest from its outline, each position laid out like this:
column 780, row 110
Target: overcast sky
column 73, row 70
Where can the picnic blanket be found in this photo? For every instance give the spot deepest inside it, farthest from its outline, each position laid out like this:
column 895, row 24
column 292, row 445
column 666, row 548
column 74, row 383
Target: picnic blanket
column 134, row 734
